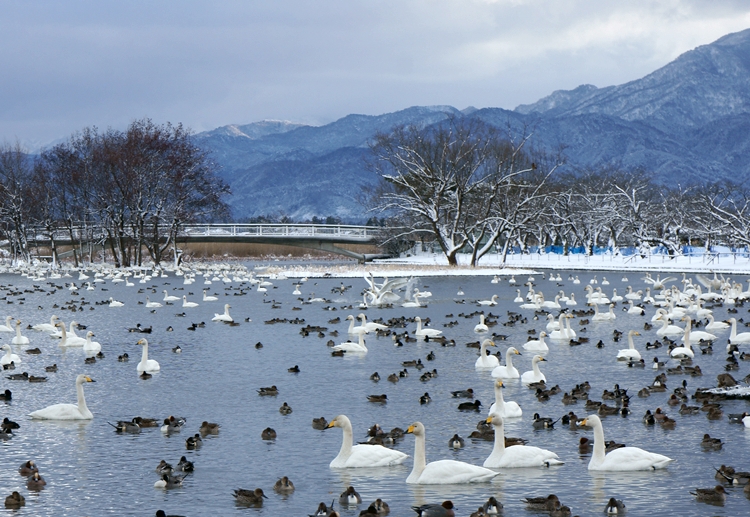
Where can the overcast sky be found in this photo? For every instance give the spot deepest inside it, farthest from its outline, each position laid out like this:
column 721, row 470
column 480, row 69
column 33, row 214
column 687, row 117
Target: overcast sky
column 68, row 65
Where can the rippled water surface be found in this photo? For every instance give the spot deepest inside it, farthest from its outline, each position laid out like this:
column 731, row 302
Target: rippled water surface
column 91, row 470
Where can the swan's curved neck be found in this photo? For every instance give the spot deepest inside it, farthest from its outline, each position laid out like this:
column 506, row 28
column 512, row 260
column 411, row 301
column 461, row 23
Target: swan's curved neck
column 64, row 333
column 18, row 331
column 144, row 356
column 733, row 334
column 346, row 443
column 599, row 451
column 483, row 349
column 509, row 359
column 630, row 341
column 535, row 367
column 351, row 326
column 82, row 407
column 687, row 332
column 420, row 460
column 499, row 400
column 499, row 446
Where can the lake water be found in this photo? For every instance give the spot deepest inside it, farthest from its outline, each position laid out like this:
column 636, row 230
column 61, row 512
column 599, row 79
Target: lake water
column 91, row 470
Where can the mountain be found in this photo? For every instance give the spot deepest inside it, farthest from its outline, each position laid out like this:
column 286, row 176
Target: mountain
column 688, row 121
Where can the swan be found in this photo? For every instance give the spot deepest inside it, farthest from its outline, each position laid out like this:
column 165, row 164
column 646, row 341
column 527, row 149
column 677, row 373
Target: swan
column 371, row 326
column 442, row 472
column 146, row 364
column 47, row 327
column 604, row 316
column 615, row 297
column 296, row 291
column 67, row 411
column 91, row 346
column 152, row 305
column 518, row 456
column 481, row 327
column 9, row 356
column 485, row 361
column 364, row 455
column 634, row 309
column 413, row 304
column 680, row 352
column 7, row 327
column 188, row 304
column 552, row 305
column 538, row 345
column 624, row 458
column 69, row 340
column 630, row 353
column 115, row 303
column 570, row 332
column 560, row 332
column 354, row 330
column 518, row 298
column 207, row 298
column 553, row 324
column 425, row 332
column 19, row 339
column 572, row 300
column 738, row 339
column 491, row 302
column 667, row 329
column 508, row 371
column 357, row 348
column 223, row 317
column 534, row 375
column 715, row 325
column 695, row 336
column 169, row 298
column 502, row 408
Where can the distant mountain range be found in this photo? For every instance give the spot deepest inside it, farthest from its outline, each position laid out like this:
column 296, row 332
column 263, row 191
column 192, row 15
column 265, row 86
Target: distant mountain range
column 688, row 122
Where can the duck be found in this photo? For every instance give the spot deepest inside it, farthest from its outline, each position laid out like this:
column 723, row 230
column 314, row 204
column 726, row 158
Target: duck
column 518, row 456
column 444, row 509
column 9, row 356
column 377, row 507
column 486, row 361
column 283, row 486
column 15, row 500
column 184, row 465
column 623, row 458
column 186, row 303
column 500, row 407
column 268, row 434
column 249, row 497
column 146, row 364
column 534, row 375
column 67, row 411
column 358, row 456
column 226, row 318
column 508, row 371
column 538, row 345
column 630, row 353
column 442, row 471
column 716, row 495
column 35, row 482
column 425, row 332
column 614, row 507
column 209, row 428
column 350, row 497
column 355, row 348
column 456, row 442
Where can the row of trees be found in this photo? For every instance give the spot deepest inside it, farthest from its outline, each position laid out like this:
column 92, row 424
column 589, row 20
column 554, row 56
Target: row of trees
column 137, row 186
column 468, row 186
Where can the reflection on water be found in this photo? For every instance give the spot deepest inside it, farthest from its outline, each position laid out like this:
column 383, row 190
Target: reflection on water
column 90, row 469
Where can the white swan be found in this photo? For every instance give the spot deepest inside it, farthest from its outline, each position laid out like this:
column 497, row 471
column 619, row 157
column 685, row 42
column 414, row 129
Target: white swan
column 226, row 318
column 115, row 303
column 624, row 458
column 508, row 371
column 634, row 309
column 738, row 339
column 19, row 339
column 371, row 326
column 47, row 327
column 425, row 332
column 553, row 324
column 296, row 291
column 69, row 340
column 604, row 316
column 695, row 336
column 715, row 325
column 442, row 472
column 481, row 327
column 169, row 298
column 492, row 301
column 667, row 329
column 630, row 353
column 355, row 348
column 67, row 411
column 152, row 305
column 354, row 330
column 7, row 327
column 518, row 456
column 91, row 346
column 356, row 456
column 414, row 303
column 518, row 298
column 534, row 375
column 186, row 303
column 569, row 331
column 9, row 356
column 571, row 301
column 560, row 333
column 538, row 345
column 146, row 364
column 208, row 298
column 485, row 361
column 509, row 409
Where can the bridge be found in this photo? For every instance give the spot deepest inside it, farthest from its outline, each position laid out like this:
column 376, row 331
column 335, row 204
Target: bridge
column 323, row 237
